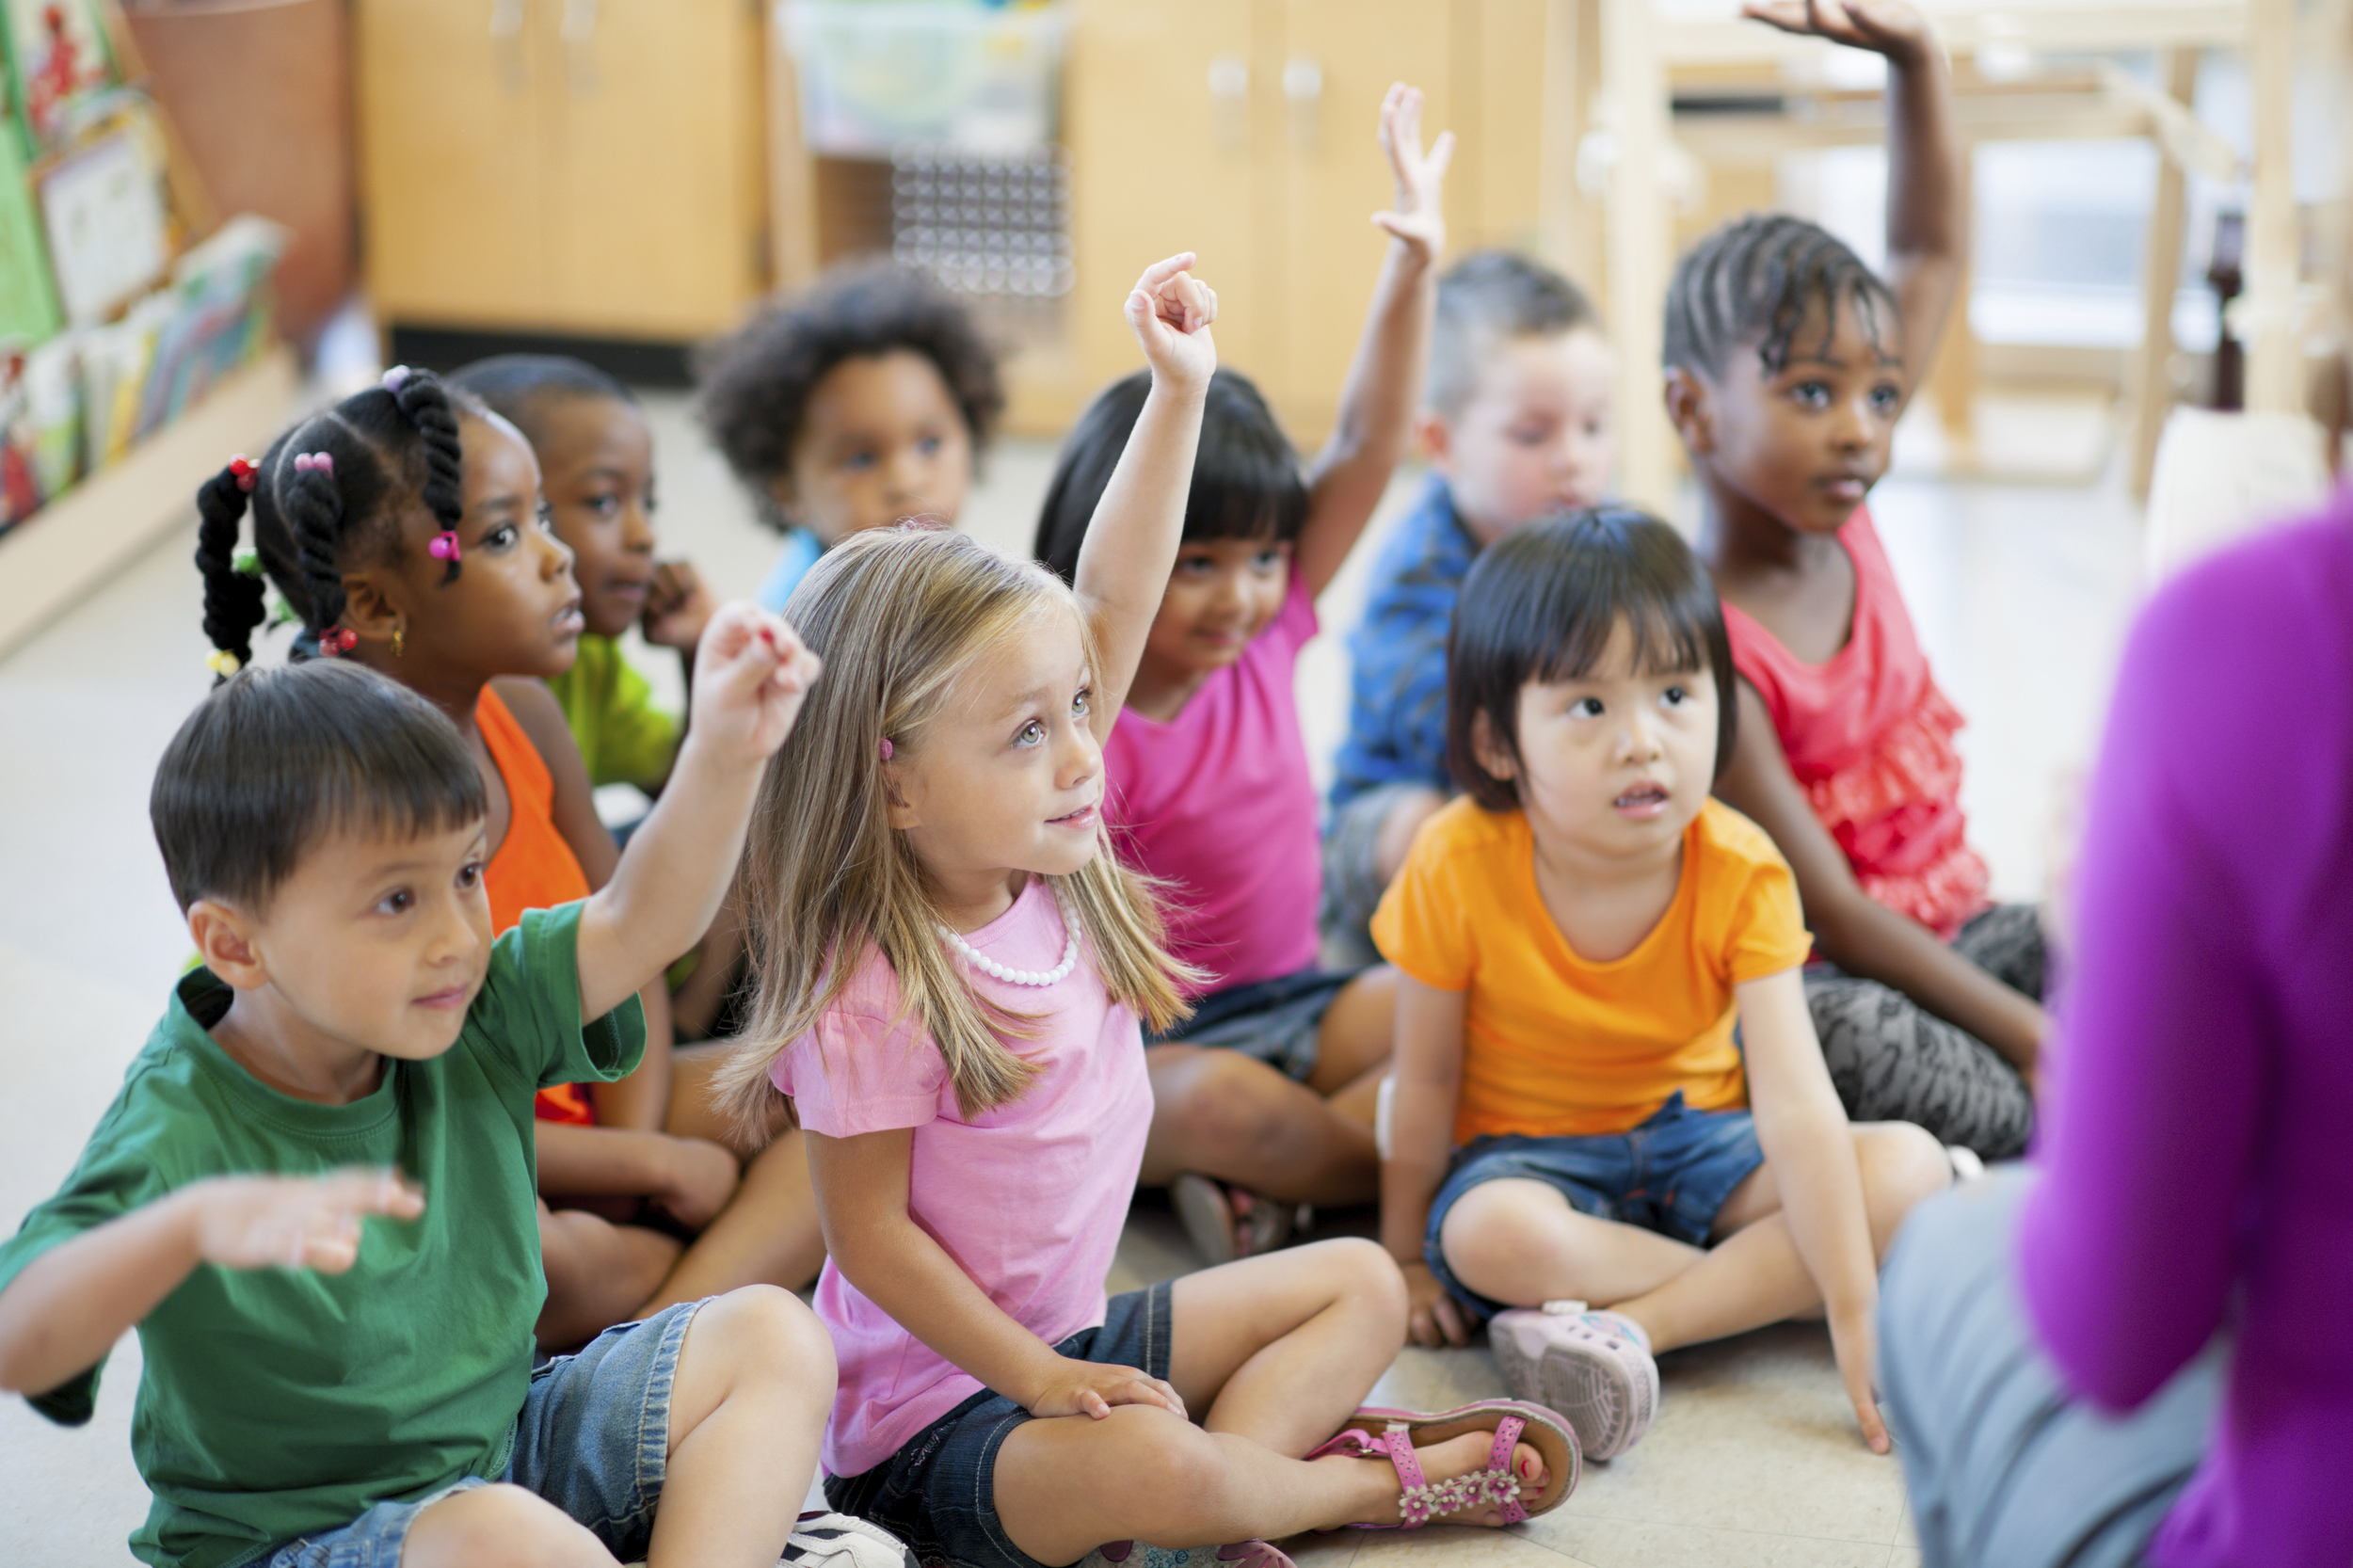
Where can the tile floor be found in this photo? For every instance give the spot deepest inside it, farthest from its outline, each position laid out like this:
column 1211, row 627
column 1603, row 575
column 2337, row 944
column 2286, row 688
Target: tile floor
column 2021, row 593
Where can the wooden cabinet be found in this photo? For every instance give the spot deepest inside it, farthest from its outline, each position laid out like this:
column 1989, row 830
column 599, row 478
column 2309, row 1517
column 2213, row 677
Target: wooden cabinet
column 590, row 166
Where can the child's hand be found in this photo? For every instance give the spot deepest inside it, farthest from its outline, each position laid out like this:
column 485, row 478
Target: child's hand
column 1431, row 1319
column 295, row 1222
column 751, row 675
column 700, row 1178
column 678, row 606
column 1418, row 217
column 1170, row 311
column 1091, row 1388
column 1855, row 1343
column 1889, row 28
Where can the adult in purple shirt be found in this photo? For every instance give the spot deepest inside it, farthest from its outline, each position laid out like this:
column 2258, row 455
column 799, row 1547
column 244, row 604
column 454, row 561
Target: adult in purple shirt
column 2141, row 1348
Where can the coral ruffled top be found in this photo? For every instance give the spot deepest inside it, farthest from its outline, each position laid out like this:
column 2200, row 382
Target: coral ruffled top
column 1871, row 739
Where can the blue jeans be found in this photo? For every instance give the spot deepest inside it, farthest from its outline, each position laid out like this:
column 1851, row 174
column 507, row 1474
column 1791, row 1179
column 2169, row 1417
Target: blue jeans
column 1670, row 1174
column 593, row 1438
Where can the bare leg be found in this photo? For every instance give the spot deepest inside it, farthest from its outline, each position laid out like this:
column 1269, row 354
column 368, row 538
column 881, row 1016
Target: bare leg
column 767, row 1234
column 1282, row 1349
column 1353, row 1045
column 755, row 1384
column 500, row 1527
column 1233, row 1117
column 597, row 1272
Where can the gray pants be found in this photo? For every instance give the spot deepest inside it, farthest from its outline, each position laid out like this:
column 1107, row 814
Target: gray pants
column 2007, row 1469
column 1893, row 1061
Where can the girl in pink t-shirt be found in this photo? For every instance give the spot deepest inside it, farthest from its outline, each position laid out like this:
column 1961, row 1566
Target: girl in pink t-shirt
column 1265, row 1095
column 950, row 975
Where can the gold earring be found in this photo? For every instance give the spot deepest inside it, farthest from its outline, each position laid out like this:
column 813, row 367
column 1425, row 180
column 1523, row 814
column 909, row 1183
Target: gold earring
column 400, row 637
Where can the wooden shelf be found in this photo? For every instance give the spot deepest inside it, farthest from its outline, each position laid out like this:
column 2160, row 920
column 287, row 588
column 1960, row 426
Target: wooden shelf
column 52, row 559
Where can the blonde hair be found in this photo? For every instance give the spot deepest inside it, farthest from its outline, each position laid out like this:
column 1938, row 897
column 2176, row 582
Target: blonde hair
column 899, row 615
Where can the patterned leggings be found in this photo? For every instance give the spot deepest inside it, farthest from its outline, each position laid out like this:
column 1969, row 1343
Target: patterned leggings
column 1893, row 1061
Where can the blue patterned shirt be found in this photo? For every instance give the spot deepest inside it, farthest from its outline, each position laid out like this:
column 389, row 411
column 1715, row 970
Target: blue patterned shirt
column 1397, row 703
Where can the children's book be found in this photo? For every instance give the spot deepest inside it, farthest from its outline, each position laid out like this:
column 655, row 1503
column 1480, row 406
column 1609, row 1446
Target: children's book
column 58, row 59
column 28, row 296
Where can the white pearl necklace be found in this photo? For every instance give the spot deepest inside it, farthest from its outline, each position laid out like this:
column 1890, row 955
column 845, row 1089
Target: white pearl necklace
column 989, row 966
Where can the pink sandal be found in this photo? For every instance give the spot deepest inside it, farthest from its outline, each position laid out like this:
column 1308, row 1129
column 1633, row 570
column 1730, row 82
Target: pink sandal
column 1242, row 1554
column 1423, row 1501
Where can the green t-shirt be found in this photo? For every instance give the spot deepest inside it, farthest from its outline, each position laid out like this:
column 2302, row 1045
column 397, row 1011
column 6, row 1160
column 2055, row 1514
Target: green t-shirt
column 277, row 1403
column 623, row 737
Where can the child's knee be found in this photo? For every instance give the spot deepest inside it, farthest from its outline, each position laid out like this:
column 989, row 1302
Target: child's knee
column 1902, row 1164
column 769, row 1336
column 500, row 1525
column 1232, row 1103
column 1364, row 1271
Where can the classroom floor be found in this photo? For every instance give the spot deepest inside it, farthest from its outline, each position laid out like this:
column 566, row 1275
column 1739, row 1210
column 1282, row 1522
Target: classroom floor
column 2021, row 593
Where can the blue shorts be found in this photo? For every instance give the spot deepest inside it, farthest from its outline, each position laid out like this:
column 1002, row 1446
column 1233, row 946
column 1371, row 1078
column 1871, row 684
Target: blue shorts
column 1670, row 1174
column 593, row 1438
column 938, row 1492
column 1279, row 1021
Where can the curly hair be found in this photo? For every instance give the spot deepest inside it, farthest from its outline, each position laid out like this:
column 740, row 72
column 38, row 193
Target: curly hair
column 1761, row 278
column 756, row 381
column 383, row 449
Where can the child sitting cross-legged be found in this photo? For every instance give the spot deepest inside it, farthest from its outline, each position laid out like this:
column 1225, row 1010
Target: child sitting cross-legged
column 312, row 1195
column 1578, row 1118
column 951, row 970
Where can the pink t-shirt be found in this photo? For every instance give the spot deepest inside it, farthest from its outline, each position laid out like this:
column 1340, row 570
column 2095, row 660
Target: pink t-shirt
column 1218, row 802
column 1869, row 738
column 1029, row 1198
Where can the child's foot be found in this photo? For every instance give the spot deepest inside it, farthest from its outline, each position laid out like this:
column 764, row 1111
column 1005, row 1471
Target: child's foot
column 1227, row 1223
column 1593, row 1367
column 1467, row 1466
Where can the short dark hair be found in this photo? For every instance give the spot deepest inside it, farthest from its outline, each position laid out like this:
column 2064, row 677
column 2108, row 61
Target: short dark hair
column 1541, row 604
column 1758, row 280
column 275, row 760
column 1489, row 295
column 756, row 381
column 517, row 387
column 1246, row 483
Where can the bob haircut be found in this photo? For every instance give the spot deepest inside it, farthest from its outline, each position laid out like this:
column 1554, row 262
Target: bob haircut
column 1542, row 606
column 1246, row 483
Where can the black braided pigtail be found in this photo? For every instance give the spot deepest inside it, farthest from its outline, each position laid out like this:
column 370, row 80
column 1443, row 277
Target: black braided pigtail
column 312, row 505
column 426, row 402
column 232, row 595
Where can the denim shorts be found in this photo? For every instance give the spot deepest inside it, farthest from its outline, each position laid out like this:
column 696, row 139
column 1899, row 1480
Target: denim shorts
column 938, row 1492
column 1278, row 1022
column 1670, row 1174
column 593, row 1438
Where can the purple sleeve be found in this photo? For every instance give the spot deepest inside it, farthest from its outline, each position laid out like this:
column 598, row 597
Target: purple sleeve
column 2153, row 1106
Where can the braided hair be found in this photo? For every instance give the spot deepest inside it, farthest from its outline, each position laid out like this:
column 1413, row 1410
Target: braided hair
column 1761, row 279
column 325, row 498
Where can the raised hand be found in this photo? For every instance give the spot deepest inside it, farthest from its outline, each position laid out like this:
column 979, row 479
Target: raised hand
column 1890, row 27
column 1418, row 214
column 259, row 1222
column 1170, row 311
column 1091, row 1388
column 677, row 607
column 751, row 673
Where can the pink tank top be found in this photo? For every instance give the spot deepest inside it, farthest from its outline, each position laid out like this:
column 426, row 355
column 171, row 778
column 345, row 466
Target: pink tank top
column 1870, row 739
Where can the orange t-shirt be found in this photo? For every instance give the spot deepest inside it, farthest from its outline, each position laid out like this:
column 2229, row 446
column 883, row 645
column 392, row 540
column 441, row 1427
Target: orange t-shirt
column 535, row 868
column 1556, row 1045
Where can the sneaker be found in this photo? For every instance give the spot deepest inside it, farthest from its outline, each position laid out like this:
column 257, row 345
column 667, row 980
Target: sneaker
column 1966, row 1163
column 1227, row 1223
column 838, row 1540
column 1592, row 1367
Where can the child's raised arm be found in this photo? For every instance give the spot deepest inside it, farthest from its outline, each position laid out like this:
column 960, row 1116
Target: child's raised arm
column 1804, row 1132
column 1428, row 1075
column 750, row 676
column 1928, row 220
column 60, row 1317
column 1132, row 542
column 1385, row 379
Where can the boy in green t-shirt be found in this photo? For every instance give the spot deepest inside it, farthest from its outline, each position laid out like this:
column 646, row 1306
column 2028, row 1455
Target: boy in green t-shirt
column 324, row 1386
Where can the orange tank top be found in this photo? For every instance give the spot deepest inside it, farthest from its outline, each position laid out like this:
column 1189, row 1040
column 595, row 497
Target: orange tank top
column 534, row 867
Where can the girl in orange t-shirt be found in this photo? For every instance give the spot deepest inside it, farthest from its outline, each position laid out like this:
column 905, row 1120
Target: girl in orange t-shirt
column 1576, row 1118
column 404, row 528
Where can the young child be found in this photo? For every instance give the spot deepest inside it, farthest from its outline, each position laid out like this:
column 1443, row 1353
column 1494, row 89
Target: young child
column 1516, row 417
column 1271, row 1084
column 950, row 974
column 312, row 1195
column 403, row 527
column 867, row 400
column 1789, row 363
column 1607, row 1087
column 596, row 477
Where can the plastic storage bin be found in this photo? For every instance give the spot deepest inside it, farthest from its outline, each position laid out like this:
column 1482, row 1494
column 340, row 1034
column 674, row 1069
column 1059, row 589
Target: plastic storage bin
column 878, row 74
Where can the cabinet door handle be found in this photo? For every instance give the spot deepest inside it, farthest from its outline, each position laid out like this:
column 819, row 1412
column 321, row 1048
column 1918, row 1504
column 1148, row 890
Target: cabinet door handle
column 1229, row 103
column 506, row 45
column 579, row 32
column 1303, row 90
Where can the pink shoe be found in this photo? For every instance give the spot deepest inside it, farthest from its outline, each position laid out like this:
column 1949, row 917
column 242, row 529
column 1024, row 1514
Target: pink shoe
column 1134, row 1554
column 1593, row 1367
column 1423, row 1501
